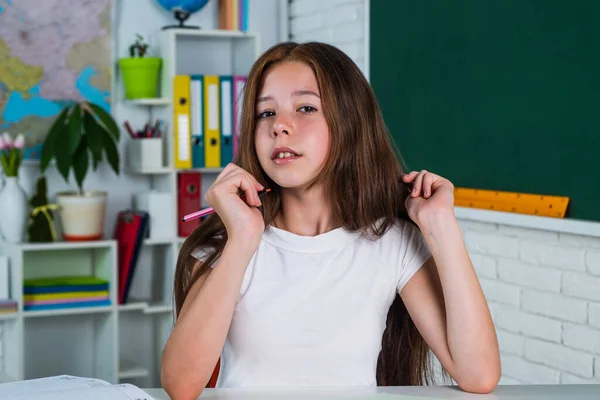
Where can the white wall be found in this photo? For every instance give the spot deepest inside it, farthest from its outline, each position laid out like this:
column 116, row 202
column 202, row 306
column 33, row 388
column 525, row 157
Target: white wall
column 267, row 17
column 337, row 22
column 542, row 286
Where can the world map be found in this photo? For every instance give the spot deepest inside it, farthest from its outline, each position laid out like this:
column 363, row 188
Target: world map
column 52, row 53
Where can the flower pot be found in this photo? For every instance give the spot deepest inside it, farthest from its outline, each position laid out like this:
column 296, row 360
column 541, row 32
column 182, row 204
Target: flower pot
column 140, row 76
column 82, row 215
column 13, row 210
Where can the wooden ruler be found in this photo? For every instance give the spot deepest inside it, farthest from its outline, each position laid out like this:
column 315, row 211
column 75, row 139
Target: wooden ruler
column 523, row 203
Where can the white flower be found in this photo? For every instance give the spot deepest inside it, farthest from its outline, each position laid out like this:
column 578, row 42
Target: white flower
column 7, row 139
column 19, row 141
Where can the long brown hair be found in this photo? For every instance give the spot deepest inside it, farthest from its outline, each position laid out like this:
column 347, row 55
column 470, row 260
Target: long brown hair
column 362, row 174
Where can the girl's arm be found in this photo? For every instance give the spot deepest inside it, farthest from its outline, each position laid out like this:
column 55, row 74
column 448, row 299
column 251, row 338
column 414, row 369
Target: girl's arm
column 193, row 348
column 444, row 297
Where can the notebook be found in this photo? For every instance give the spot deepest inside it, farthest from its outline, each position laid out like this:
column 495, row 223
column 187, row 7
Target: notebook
column 68, row 387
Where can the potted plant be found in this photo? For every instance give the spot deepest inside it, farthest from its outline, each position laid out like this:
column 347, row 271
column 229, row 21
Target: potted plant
column 13, row 200
column 140, row 73
column 82, row 134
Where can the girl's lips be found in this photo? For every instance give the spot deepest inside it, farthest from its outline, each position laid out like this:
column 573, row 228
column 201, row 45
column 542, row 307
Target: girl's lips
column 285, row 160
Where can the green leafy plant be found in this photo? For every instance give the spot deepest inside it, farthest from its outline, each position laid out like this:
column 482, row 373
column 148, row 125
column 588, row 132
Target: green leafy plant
column 139, row 46
column 82, row 131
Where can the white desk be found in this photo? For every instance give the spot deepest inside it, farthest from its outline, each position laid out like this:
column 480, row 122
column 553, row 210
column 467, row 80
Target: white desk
column 517, row 392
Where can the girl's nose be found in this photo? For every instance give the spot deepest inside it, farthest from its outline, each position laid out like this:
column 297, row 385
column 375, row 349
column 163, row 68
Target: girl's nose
column 281, row 126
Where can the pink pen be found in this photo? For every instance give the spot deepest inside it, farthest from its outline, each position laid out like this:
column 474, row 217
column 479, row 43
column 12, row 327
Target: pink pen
column 210, row 210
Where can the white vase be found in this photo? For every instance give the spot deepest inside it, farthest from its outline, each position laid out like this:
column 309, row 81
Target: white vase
column 13, row 210
column 82, row 215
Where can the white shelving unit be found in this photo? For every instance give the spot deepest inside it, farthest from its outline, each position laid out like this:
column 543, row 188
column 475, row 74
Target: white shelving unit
column 118, row 343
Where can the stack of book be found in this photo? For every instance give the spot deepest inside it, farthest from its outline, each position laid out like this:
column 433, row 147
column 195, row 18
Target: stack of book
column 65, row 292
column 7, row 306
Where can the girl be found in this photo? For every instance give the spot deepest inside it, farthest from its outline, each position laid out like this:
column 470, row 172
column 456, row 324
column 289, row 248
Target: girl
column 347, row 272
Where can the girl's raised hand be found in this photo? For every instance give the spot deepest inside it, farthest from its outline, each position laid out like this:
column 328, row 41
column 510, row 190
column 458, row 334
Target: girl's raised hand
column 241, row 217
column 431, row 194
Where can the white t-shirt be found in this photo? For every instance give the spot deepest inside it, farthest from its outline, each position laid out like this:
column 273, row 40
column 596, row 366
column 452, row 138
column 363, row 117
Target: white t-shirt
column 312, row 309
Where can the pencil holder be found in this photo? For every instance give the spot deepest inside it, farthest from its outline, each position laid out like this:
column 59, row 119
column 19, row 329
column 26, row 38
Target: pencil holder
column 145, row 154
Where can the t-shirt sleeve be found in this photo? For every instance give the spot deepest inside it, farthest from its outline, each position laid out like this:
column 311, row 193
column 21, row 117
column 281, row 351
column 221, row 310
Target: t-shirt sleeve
column 414, row 253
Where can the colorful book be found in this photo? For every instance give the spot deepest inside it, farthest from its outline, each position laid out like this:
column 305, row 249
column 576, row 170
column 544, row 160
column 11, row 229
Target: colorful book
column 66, row 295
column 39, row 307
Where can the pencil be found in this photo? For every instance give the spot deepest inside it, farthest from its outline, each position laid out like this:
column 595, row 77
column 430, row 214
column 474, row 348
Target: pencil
column 210, row 210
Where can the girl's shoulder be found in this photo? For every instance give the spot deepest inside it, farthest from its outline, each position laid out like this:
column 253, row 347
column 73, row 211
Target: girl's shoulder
column 401, row 241
column 398, row 230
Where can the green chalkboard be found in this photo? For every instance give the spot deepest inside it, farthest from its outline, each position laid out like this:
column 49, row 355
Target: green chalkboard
column 494, row 94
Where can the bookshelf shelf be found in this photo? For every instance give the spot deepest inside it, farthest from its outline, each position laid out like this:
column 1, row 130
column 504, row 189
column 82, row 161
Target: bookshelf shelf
column 67, row 311
column 215, row 171
column 212, row 33
column 63, row 245
column 11, row 315
column 146, row 308
column 137, row 306
column 150, row 102
column 153, row 171
column 158, row 241
column 158, row 309
column 6, row 378
column 129, row 370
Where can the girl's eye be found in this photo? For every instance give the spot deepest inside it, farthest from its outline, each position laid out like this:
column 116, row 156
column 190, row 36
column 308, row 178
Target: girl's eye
column 265, row 114
column 307, row 109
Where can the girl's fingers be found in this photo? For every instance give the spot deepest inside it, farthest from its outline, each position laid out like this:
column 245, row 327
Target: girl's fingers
column 256, row 182
column 410, row 176
column 427, row 184
column 243, row 182
column 227, row 171
column 418, row 184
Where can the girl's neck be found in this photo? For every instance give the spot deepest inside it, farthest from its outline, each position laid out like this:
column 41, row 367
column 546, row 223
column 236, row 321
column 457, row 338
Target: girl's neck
column 305, row 213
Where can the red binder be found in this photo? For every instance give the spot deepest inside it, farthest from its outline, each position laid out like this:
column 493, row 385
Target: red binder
column 190, row 191
column 130, row 231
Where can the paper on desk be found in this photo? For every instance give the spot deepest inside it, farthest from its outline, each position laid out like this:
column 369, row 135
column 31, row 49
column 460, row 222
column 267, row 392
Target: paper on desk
column 66, row 387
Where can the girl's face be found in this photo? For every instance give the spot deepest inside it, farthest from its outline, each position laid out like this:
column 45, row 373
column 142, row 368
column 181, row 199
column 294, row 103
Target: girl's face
column 292, row 137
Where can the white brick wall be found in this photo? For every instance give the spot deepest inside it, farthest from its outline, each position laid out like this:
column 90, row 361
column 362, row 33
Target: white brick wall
column 543, row 290
column 337, row 22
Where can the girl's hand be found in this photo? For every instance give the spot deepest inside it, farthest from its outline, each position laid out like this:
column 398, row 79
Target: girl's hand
column 431, row 194
column 243, row 221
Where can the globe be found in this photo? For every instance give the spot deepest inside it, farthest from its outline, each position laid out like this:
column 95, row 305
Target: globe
column 182, row 9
